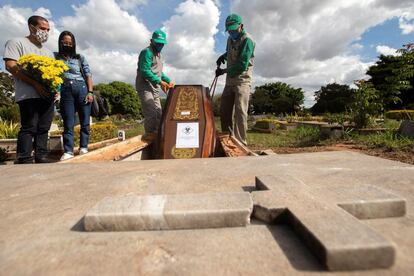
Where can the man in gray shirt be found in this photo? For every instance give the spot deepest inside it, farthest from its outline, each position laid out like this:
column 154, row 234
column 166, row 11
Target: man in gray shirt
column 36, row 112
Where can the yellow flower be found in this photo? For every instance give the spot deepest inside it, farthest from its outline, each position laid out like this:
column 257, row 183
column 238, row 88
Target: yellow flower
column 45, row 70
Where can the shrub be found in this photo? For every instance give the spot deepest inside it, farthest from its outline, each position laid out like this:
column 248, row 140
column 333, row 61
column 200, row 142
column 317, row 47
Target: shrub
column 8, row 130
column 98, row 132
column 337, row 118
column 122, row 98
column 400, row 114
column 366, row 104
column 265, row 123
column 10, row 113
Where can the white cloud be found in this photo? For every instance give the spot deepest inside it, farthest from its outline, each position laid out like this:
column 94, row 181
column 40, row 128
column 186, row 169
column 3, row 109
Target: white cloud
column 131, row 4
column 109, row 66
column 307, row 42
column 104, row 25
column 387, row 51
column 16, row 27
column 357, row 46
column 191, row 35
column 190, row 54
column 407, row 24
column 13, row 22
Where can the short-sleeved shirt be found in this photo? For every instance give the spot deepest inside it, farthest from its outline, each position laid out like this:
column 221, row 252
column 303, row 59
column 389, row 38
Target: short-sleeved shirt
column 14, row 49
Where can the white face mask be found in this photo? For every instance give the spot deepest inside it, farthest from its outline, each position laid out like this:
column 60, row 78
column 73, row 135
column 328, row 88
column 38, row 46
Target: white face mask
column 41, row 35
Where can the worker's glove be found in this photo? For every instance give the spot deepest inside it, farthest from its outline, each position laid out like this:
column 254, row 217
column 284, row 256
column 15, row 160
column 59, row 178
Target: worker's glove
column 165, row 86
column 220, row 72
column 220, row 60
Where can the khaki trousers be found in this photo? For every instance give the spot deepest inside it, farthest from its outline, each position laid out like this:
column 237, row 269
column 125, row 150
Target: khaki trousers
column 233, row 110
column 151, row 107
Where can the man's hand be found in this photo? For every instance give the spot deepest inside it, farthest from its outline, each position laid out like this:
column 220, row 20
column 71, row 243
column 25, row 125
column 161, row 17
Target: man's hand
column 57, row 98
column 220, row 60
column 40, row 89
column 220, row 72
column 165, row 87
column 171, row 85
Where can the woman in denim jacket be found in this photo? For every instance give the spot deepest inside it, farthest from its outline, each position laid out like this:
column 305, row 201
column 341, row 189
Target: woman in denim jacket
column 76, row 94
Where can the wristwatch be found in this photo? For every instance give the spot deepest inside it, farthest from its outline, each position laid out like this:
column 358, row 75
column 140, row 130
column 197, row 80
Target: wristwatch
column 90, row 92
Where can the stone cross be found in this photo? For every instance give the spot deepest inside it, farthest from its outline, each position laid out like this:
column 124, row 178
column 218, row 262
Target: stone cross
column 328, row 221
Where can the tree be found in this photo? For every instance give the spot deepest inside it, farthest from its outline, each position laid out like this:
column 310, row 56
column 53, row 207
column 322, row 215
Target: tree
column 9, row 110
column 276, row 98
column 332, row 98
column 6, row 89
column 122, row 98
column 366, row 104
column 393, row 77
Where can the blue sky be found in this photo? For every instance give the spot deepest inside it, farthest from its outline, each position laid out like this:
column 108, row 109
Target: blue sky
column 386, row 33
column 304, row 43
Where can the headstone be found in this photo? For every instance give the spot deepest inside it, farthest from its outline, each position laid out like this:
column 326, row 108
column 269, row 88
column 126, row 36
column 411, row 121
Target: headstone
column 337, row 238
column 167, row 212
column 187, row 126
column 407, row 129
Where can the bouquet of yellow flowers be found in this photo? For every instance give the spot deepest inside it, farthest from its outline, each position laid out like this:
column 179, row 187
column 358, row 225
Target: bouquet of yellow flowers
column 45, row 70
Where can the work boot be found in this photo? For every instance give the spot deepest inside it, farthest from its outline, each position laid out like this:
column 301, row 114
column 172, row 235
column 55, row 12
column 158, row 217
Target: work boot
column 42, row 159
column 149, row 136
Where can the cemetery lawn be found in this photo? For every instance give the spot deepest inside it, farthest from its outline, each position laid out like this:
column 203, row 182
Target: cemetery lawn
column 385, row 145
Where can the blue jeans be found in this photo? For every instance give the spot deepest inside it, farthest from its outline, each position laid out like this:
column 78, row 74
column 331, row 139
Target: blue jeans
column 72, row 99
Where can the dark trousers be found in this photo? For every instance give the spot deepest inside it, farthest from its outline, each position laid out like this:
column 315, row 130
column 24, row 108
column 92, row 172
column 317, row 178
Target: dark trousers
column 72, row 100
column 36, row 117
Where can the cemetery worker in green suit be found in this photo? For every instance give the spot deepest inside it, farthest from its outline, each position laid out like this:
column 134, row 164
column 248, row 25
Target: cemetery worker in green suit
column 151, row 80
column 239, row 56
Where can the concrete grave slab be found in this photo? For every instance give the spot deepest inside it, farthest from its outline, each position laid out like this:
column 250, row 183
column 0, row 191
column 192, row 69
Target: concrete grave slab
column 41, row 207
column 168, row 212
column 338, row 239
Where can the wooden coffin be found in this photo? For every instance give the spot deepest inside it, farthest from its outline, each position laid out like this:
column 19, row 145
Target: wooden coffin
column 187, row 125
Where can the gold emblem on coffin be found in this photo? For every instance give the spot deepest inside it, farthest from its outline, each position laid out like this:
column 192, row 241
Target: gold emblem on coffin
column 183, row 153
column 187, row 105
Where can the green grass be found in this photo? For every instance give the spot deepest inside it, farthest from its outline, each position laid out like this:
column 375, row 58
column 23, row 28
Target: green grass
column 391, row 124
column 389, row 139
column 300, row 137
column 138, row 130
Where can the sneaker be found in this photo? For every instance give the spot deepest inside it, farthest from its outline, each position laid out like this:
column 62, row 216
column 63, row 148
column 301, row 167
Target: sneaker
column 83, row 151
column 66, row 156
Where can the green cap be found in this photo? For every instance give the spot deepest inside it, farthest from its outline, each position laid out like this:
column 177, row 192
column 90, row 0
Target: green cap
column 159, row 37
column 233, row 22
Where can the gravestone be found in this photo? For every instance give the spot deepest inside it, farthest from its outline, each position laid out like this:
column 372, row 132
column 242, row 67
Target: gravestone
column 407, row 129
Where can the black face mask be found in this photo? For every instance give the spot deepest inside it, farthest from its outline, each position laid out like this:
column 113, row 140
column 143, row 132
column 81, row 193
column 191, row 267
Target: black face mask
column 67, row 49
